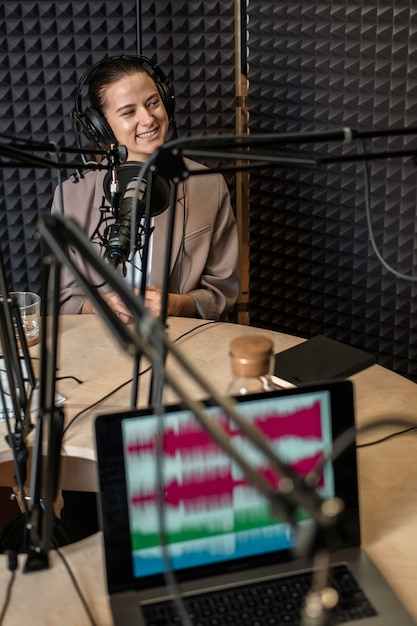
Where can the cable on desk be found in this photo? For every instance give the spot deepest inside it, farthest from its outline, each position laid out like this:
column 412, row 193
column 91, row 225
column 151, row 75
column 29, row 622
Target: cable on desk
column 348, row 438
column 196, row 329
column 343, row 440
column 406, row 431
column 69, row 377
column 12, row 567
column 76, row 587
column 108, row 395
column 91, row 406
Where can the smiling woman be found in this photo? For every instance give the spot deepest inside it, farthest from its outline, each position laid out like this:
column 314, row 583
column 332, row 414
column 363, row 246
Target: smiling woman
column 133, row 105
column 134, row 110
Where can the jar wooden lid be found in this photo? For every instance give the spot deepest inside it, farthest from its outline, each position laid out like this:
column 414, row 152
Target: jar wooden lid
column 251, row 355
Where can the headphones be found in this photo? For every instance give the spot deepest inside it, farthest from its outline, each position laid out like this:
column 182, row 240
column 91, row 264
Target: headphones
column 93, row 122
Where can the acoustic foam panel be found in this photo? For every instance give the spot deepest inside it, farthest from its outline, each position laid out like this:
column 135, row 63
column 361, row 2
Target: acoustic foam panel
column 47, row 46
column 324, row 66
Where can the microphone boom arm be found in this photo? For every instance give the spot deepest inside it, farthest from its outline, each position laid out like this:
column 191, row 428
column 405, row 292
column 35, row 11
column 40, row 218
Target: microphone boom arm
column 59, row 233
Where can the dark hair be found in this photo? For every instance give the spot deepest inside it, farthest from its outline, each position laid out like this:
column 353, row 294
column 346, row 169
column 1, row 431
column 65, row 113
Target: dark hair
column 109, row 72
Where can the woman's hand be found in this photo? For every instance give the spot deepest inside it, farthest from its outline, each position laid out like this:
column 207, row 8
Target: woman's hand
column 153, row 300
column 178, row 304
column 115, row 303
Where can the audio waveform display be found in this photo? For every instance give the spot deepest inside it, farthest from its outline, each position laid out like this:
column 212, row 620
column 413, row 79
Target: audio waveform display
column 211, row 511
column 212, row 488
column 187, row 436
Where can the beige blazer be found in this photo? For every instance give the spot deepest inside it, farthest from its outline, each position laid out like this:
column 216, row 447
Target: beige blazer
column 204, row 259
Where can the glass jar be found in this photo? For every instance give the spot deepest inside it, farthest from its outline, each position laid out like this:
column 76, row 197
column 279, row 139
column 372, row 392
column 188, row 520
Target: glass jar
column 252, row 364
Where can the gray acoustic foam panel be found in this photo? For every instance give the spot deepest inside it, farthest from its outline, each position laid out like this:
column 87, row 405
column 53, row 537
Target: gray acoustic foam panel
column 195, row 40
column 44, row 47
column 44, row 50
column 318, row 66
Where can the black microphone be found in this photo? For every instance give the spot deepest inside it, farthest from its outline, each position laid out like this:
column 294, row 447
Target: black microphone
column 118, row 243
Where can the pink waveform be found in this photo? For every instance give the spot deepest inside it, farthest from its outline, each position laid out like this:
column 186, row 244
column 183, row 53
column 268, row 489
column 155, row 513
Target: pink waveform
column 214, row 487
column 191, row 439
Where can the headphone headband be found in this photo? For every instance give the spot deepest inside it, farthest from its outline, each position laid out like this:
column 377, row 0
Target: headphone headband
column 93, row 123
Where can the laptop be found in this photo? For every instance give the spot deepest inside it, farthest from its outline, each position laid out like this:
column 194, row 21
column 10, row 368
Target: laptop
column 181, row 523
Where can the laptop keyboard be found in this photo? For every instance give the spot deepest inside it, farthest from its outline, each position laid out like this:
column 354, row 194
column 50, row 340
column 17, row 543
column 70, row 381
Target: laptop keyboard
column 267, row 603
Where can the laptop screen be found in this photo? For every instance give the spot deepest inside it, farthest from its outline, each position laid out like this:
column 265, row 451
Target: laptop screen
column 184, row 491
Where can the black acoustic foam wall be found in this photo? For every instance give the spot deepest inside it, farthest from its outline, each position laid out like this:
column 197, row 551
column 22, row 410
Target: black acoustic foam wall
column 46, row 47
column 43, row 48
column 319, row 66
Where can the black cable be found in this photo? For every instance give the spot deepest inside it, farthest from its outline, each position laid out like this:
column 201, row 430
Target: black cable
column 367, row 194
column 183, row 201
column 409, row 424
column 196, row 329
column 19, row 456
column 406, row 431
column 76, row 587
column 70, row 377
column 348, row 438
column 8, row 594
column 91, row 406
column 108, row 395
column 138, row 27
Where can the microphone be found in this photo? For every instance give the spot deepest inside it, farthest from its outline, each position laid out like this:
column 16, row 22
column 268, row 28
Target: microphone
column 118, row 244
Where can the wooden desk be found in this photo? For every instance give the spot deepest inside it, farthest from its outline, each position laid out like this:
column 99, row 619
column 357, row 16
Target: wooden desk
column 90, row 354
column 387, row 471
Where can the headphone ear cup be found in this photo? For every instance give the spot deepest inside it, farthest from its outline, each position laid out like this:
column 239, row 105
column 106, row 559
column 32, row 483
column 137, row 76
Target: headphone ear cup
column 167, row 98
column 97, row 128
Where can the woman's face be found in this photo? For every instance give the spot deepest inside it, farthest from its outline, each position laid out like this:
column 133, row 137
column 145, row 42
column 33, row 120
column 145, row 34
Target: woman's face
column 136, row 114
